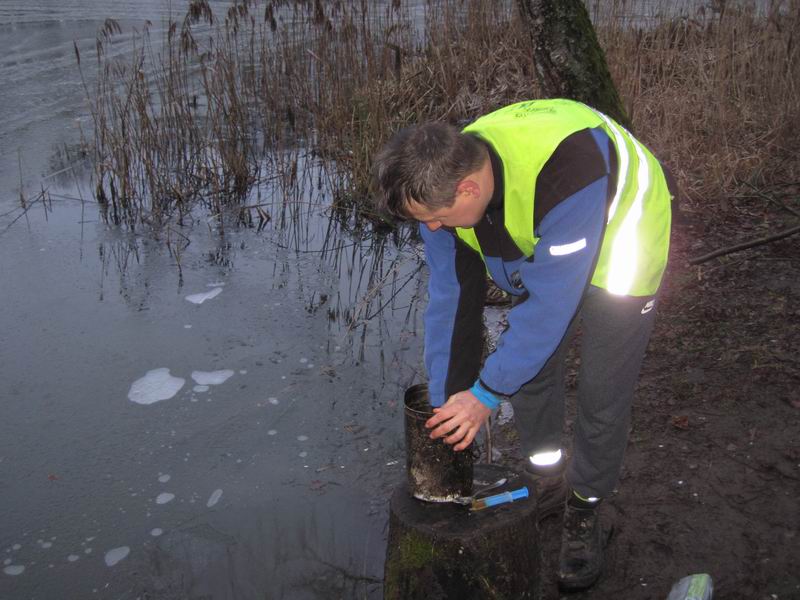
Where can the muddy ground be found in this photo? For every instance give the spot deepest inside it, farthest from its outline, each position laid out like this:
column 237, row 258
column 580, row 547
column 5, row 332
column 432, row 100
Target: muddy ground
column 711, row 481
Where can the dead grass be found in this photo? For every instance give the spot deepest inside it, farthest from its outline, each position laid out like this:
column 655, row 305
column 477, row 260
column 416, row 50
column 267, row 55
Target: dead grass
column 223, row 102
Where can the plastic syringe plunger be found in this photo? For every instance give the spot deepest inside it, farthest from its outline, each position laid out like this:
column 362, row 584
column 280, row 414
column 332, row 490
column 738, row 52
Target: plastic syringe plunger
column 499, row 499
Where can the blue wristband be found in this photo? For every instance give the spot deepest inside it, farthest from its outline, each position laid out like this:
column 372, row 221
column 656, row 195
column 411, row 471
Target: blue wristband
column 485, row 397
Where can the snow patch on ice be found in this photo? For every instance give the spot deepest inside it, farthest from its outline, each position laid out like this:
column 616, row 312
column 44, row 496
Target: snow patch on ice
column 115, row 555
column 14, row 570
column 212, row 377
column 214, row 498
column 202, row 297
column 164, row 497
column 155, row 386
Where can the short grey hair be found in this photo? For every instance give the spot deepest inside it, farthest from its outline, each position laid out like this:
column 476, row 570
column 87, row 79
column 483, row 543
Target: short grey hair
column 424, row 163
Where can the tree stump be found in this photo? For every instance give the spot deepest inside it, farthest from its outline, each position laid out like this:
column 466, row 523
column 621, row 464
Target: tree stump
column 444, row 551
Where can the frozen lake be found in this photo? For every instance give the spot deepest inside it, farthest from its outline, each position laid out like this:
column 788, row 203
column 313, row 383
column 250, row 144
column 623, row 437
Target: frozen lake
column 231, row 431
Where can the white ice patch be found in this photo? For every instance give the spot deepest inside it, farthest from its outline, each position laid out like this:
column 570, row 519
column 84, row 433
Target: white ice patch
column 47, row 545
column 164, row 497
column 200, row 389
column 14, row 570
column 73, row 557
column 272, row 400
column 272, row 432
column 115, row 555
column 155, row 386
column 214, row 498
column 211, row 377
column 164, row 478
column 200, row 298
column 216, row 284
column 157, row 531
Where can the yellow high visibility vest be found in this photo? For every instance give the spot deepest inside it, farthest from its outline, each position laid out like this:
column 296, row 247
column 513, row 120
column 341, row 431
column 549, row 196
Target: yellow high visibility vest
column 634, row 250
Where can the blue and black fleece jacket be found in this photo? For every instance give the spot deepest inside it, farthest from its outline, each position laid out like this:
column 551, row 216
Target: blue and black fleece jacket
column 572, row 194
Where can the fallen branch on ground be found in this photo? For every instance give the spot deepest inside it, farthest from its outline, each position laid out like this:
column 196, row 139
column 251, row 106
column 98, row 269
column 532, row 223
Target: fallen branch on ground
column 743, row 246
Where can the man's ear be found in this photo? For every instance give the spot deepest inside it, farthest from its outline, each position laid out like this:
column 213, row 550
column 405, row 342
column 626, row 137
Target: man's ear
column 469, row 187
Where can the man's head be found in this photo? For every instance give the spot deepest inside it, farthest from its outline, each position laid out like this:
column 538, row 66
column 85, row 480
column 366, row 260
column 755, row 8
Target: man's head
column 435, row 174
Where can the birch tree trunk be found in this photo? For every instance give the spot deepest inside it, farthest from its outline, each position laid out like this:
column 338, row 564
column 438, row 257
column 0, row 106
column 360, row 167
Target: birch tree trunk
column 569, row 60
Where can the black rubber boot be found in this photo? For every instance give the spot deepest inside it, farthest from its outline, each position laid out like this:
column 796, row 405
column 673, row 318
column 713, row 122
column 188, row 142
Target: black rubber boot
column 549, row 488
column 581, row 559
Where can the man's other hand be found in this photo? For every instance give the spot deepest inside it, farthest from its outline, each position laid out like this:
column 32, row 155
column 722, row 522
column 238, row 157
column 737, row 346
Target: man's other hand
column 458, row 420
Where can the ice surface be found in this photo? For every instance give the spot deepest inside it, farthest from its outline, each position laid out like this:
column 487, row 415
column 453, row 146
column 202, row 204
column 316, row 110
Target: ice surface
column 214, row 498
column 155, row 386
column 202, row 297
column 115, row 555
column 212, row 377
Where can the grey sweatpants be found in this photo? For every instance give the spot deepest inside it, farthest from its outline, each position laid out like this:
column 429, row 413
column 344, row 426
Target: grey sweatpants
column 615, row 333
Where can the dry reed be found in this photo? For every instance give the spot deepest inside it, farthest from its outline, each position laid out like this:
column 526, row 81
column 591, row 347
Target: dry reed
column 220, row 104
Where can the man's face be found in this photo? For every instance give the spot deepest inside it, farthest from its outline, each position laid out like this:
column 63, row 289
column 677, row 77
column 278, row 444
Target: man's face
column 473, row 194
column 466, row 211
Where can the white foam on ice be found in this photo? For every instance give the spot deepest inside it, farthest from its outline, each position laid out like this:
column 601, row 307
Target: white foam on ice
column 155, row 386
column 202, row 297
column 115, row 555
column 214, row 498
column 164, row 497
column 212, row 377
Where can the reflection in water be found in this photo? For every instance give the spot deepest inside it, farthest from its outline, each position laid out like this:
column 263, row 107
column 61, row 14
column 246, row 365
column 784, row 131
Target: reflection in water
column 282, row 547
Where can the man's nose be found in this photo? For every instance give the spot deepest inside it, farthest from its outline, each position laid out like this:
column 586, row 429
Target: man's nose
column 433, row 225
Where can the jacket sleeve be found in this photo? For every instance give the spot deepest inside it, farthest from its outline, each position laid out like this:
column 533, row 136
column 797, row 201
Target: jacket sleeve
column 554, row 279
column 453, row 317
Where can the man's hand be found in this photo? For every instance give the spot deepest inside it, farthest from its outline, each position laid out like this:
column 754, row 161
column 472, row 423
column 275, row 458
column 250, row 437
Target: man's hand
column 461, row 417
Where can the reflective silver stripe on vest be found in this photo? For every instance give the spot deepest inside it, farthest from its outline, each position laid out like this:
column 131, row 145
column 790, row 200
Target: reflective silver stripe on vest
column 625, row 247
column 622, row 151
